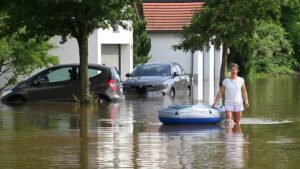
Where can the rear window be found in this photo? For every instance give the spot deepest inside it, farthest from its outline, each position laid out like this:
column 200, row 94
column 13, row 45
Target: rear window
column 116, row 75
column 152, row 70
column 94, row 72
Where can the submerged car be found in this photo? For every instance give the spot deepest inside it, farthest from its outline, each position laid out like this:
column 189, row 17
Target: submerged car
column 62, row 83
column 164, row 78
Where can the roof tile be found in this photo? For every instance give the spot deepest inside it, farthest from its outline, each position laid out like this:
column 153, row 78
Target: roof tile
column 170, row 16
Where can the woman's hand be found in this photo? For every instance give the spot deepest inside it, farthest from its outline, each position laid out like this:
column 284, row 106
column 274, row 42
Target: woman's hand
column 213, row 105
column 247, row 103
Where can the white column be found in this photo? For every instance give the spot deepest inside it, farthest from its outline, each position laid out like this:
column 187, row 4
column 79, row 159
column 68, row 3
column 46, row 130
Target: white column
column 99, row 55
column 208, row 75
column 126, row 59
column 218, row 63
column 198, row 76
column 99, row 50
column 93, row 48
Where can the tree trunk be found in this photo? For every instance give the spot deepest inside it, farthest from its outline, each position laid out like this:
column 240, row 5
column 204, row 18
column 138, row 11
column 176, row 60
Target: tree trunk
column 83, row 55
column 224, row 63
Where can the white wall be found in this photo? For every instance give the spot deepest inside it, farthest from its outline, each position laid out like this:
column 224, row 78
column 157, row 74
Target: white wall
column 126, row 59
column 161, row 50
column 108, row 36
column 69, row 52
column 110, row 55
column 123, row 37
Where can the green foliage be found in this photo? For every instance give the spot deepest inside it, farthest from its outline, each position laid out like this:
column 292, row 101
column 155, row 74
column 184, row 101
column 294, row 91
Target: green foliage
column 21, row 58
column 67, row 18
column 290, row 20
column 233, row 24
column 141, row 42
column 226, row 21
column 271, row 52
column 78, row 19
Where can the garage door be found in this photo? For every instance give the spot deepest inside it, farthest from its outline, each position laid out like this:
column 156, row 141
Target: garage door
column 111, row 55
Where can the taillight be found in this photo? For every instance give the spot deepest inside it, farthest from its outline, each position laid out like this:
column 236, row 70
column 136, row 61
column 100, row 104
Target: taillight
column 112, row 84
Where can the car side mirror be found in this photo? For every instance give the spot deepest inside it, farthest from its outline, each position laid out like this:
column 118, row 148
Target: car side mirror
column 36, row 83
column 175, row 74
column 40, row 80
column 127, row 75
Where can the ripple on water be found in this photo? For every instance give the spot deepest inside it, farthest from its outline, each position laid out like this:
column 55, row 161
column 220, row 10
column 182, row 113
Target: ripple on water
column 263, row 121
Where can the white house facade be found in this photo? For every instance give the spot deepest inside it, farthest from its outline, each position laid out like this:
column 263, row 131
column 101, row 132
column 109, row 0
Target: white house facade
column 164, row 24
column 112, row 47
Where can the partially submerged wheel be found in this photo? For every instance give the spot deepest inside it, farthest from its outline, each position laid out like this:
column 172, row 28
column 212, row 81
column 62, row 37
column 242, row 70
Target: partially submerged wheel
column 189, row 91
column 16, row 100
column 172, row 92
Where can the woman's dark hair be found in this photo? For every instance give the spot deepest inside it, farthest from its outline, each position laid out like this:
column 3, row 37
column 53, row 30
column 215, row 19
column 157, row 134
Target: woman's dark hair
column 234, row 65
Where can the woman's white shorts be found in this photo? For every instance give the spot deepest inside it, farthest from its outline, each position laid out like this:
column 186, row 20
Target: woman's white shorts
column 234, row 108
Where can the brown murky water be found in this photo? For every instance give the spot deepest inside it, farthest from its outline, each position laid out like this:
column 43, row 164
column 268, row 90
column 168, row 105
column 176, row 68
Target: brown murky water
column 128, row 134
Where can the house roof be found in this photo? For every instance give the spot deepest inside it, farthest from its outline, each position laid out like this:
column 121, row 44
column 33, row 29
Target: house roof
column 171, row 16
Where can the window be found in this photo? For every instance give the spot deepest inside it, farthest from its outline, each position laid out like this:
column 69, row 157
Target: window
column 57, row 75
column 181, row 69
column 93, row 72
column 116, row 75
column 177, row 69
column 152, row 70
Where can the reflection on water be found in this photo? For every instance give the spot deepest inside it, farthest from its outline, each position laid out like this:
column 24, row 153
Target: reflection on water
column 128, row 134
column 236, row 151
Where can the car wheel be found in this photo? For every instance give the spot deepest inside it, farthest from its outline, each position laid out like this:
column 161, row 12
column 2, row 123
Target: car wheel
column 103, row 99
column 189, row 91
column 16, row 100
column 172, row 92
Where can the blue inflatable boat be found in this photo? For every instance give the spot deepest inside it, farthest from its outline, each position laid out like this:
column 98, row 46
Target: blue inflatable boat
column 191, row 114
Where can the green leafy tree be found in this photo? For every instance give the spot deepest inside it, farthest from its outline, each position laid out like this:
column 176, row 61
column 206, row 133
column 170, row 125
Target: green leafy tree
column 141, row 42
column 70, row 19
column 290, row 20
column 227, row 23
column 20, row 58
column 270, row 51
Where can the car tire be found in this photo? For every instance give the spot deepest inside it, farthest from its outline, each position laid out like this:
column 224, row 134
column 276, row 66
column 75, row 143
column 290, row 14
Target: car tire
column 16, row 100
column 189, row 91
column 172, row 92
column 103, row 99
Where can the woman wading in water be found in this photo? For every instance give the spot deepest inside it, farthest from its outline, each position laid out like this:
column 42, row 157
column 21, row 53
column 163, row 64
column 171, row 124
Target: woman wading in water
column 235, row 95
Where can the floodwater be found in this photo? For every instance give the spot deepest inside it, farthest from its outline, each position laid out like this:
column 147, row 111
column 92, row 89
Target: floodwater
column 128, row 134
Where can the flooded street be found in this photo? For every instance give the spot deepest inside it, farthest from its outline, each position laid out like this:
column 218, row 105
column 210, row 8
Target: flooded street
column 128, row 134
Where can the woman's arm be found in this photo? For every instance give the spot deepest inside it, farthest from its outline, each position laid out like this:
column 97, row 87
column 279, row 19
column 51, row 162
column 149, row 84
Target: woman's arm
column 245, row 95
column 219, row 95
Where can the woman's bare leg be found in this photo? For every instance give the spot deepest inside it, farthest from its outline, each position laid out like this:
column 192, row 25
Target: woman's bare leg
column 228, row 115
column 237, row 117
column 229, row 122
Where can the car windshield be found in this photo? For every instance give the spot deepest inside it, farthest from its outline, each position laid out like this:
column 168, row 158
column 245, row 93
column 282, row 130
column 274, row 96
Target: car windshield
column 152, row 70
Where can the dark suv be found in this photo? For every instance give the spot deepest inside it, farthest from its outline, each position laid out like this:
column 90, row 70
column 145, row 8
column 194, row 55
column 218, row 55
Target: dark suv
column 62, row 83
